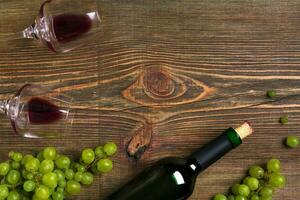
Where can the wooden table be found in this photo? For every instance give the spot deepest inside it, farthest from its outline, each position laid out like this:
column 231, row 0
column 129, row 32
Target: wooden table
column 166, row 77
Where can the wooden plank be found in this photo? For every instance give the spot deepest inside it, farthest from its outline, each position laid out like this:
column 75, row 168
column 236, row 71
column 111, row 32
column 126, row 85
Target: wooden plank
column 186, row 69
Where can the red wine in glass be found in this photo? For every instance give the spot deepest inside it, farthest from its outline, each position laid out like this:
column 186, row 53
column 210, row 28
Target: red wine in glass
column 68, row 27
column 41, row 111
column 38, row 112
column 63, row 25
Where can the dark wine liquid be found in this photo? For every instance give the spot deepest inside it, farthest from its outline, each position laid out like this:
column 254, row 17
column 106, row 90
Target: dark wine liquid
column 68, row 27
column 41, row 111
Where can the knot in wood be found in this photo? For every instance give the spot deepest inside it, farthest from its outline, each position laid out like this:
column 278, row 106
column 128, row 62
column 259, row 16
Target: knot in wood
column 159, row 84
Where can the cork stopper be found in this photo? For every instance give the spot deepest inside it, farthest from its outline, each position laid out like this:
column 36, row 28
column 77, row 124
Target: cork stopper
column 244, row 130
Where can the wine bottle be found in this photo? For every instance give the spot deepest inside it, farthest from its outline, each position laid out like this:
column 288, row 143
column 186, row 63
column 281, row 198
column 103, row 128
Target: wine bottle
column 174, row 178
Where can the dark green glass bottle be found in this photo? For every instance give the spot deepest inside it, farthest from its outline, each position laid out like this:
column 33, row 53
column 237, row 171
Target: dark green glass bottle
column 174, row 178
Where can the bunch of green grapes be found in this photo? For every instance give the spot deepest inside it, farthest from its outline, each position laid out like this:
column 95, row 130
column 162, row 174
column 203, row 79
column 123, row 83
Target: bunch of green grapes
column 50, row 175
column 260, row 183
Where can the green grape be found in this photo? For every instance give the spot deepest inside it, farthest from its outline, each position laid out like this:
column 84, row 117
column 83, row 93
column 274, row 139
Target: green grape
column 60, row 174
column 63, row 162
column 230, row 197
column 32, row 165
column 57, row 156
column 26, row 158
column 277, row 180
column 87, row 178
column 251, row 182
column 15, row 165
column 57, row 196
column 11, row 154
column 79, row 167
column 29, row 186
column 284, row 119
column 245, row 179
column 94, row 169
column 271, row 93
column 99, row 152
column 255, row 197
column 4, row 168
column 50, row 180
column 73, row 187
column 73, row 164
column 42, row 192
column 273, row 165
column 88, row 156
column 104, row 165
column 256, row 172
column 240, row 197
column 51, row 190
column 266, row 192
column 24, row 173
column 49, row 153
column 220, row 197
column 265, row 198
column 40, row 156
column 35, row 198
column 36, row 178
column 292, row 141
column 14, row 195
column 29, row 176
column 262, row 182
column 17, row 157
column 69, row 174
column 110, row 148
column 3, row 191
column 46, row 166
column 60, row 189
column 243, row 190
column 25, row 198
column 25, row 194
column 235, row 189
column 13, row 177
column 62, row 183
column 78, row 176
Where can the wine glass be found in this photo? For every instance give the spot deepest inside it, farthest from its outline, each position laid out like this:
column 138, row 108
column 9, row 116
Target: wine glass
column 63, row 25
column 38, row 112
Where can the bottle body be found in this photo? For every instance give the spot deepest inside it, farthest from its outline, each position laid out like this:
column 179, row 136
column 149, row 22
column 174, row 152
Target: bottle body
column 174, row 178
column 169, row 179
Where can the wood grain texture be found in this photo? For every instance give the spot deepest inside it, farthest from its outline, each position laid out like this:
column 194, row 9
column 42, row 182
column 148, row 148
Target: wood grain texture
column 189, row 69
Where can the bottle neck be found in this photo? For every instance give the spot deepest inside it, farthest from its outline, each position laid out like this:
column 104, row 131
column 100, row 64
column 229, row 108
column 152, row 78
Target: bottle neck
column 214, row 150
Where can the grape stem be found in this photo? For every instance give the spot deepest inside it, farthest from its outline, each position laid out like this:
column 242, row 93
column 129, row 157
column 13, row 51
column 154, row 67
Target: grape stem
column 93, row 163
column 259, row 189
column 37, row 180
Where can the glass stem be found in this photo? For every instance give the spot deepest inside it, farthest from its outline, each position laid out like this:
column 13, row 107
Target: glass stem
column 30, row 32
column 3, row 106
